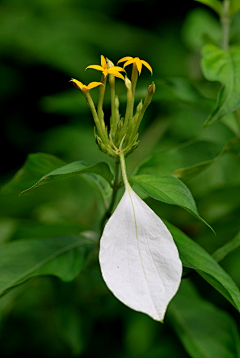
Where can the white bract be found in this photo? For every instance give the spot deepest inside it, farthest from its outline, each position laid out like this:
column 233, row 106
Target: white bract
column 138, row 257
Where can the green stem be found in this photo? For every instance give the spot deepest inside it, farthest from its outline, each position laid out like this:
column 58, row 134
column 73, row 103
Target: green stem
column 124, row 172
column 147, row 101
column 134, row 79
column 100, row 99
column 128, row 111
column 225, row 21
column 113, row 122
column 100, row 128
column 116, row 187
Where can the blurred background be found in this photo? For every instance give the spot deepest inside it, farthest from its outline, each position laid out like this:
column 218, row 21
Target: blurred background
column 43, row 44
column 46, row 43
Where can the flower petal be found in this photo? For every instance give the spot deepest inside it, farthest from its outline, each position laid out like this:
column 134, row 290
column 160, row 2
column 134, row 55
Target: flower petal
column 103, row 62
column 147, row 65
column 77, row 84
column 117, row 68
column 94, row 84
column 129, row 62
column 138, row 257
column 125, row 59
column 115, row 73
column 96, row 67
column 139, row 64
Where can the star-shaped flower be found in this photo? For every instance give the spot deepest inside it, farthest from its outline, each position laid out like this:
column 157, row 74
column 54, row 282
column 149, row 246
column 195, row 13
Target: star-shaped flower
column 129, row 60
column 83, row 87
column 114, row 70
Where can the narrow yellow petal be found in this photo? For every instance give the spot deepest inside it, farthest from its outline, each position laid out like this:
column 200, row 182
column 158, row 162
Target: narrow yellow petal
column 117, row 68
column 77, row 83
column 105, row 72
column 103, row 62
column 125, row 59
column 94, row 84
column 139, row 64
column 129, row 62
column 116, row 74
column 147, row 65
column 96, row 67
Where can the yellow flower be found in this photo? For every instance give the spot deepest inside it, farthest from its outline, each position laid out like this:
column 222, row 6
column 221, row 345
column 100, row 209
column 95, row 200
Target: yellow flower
column 83, row 87
column 129, row 60
column 114, row 70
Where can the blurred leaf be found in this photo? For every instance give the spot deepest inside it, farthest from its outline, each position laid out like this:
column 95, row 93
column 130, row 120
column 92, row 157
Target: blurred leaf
column 170, row 190
column 204, row 330
column 70, row 328
column 223, row 66
column 36, row 165
column 69, row 141
column 213, row 4
column 100, row 186
column 195, row 257
column 182, row 90
column 227, row 249
column 69, row 102
column 184, row 162
column 66, row 37
column 234, row 7
column 29, row 229
column 60, row 256
column 198, row 24
column 73, row 169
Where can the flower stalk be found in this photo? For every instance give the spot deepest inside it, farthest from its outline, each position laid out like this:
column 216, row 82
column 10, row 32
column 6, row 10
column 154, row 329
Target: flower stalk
column 225, row 21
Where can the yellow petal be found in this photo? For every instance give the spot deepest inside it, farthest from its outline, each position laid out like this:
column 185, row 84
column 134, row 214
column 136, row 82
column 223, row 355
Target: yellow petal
column 105, row 72
column 117, row 68
column 116, row 74
column 139, row 64
column 94, row 84
column 125, row 59
column 77, row 84
column 147, row 65
column 129, row 62
column 96, row 67
column 103, row 62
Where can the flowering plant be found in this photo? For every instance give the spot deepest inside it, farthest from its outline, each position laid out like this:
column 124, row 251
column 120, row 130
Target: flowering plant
column 144, row 259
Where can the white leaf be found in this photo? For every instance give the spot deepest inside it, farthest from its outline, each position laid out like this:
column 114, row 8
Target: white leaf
column 138, row 257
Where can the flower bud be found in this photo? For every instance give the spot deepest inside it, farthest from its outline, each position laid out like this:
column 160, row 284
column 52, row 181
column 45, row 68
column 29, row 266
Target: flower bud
column 128, row 83
column 109, row 63
column 152, row 89
column 139, row 107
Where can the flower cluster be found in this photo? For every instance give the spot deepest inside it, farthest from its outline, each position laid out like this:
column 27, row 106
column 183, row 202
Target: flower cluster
column 123, row 132
column 138, row 257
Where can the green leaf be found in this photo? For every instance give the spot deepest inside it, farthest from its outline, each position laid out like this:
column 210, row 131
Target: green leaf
column 216, row 336
column 228, row 248
column 36, row 165
column 184, row 162
column 180, row 89
column 223, row 66
column 73, row 169
column 168, row 189
column 193, row 256
column 61, row 256
column 213, row 4
column 100, row 186
column 234, row 7
column 201, row 26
